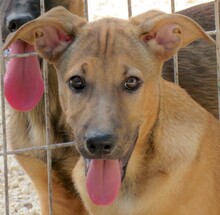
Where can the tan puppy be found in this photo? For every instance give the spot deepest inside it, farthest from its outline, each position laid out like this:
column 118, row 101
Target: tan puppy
column 146, row 146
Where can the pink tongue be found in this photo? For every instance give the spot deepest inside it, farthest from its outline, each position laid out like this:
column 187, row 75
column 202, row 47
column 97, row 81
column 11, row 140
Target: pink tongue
column 23, row 83
column 103, row 181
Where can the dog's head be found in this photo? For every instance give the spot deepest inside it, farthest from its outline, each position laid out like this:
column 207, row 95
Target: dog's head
column 109, row 82
column 15, row 13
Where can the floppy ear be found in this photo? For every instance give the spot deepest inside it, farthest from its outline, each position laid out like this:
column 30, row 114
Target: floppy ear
column 50, row 34
column 165, row 33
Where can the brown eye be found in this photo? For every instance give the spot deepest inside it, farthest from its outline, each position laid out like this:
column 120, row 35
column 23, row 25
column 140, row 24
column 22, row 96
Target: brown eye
column 76, row 83
column 132, row 83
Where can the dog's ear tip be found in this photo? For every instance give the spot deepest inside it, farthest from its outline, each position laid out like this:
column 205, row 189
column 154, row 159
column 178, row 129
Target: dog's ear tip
column 212, row 41
column 207, row 38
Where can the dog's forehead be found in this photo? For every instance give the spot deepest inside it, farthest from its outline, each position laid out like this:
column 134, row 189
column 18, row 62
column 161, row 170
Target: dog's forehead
column 108, row 22
column 108, row 44
column 108, row 32
column 108, row 37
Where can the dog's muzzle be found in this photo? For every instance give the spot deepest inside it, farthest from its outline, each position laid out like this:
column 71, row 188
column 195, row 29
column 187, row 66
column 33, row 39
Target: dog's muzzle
column 105, row 167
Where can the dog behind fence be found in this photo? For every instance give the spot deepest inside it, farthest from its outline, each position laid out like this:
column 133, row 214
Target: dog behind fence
column 5, row 151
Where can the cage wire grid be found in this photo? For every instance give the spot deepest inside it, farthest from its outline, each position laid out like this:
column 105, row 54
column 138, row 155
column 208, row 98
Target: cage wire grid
column 48, row 147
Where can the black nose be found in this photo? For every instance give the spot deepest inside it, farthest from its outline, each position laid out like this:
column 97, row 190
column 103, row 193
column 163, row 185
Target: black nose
column 15, row 22
column 100, row 143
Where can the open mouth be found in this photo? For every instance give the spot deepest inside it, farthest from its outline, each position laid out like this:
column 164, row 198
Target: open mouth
column 104, row 177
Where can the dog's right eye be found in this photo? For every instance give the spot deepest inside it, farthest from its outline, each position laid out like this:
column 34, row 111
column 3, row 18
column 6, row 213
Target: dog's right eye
column 76, row 83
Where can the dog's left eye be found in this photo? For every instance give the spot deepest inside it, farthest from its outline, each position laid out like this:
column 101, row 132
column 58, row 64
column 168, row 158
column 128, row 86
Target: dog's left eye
column 132, row 83
column 76, row 83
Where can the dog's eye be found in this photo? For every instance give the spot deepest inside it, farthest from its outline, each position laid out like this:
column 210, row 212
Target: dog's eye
column 132, row 83
column 76, row 83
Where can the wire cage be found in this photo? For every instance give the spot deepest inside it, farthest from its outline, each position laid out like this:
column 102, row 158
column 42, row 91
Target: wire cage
column 5, row 152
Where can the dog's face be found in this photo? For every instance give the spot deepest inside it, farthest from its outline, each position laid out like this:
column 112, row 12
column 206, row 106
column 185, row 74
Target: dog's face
column 109, row 83
column 109, row 96
column 15, row 13
column 102, row 92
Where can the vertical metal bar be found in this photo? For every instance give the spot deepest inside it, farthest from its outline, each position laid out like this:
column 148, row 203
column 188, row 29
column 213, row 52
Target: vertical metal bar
column 86, row 10
column 48, row 139
column 173, row 6
column 216, row 6
column 47, row 125
column 129, row 8
column 175, row 57
column 5, row 158
column 42, row 6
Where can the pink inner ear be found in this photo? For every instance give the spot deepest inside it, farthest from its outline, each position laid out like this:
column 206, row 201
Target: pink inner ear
column 52, row 41
column 149, row 36
column 164, row 41
column 169, row 36
column 65, row 37
column 50, row 38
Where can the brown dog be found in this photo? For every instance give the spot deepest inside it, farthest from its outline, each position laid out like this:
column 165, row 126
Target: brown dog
column 198, row 78
column 27, row 129
column 31, row 125
column 146, row 146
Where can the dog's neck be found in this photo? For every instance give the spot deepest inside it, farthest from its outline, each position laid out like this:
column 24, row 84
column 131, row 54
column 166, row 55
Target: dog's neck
column 159, row 139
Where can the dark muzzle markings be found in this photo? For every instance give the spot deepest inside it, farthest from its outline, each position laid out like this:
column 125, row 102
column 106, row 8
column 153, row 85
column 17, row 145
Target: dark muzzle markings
column 17, row 13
